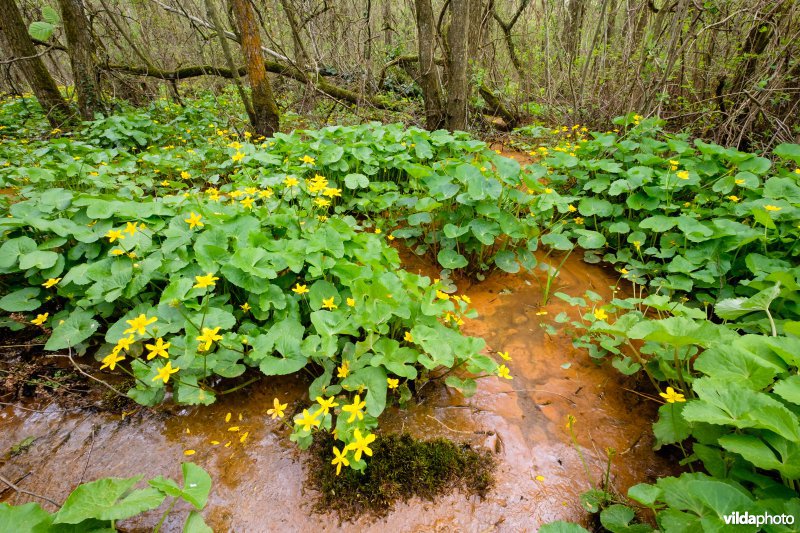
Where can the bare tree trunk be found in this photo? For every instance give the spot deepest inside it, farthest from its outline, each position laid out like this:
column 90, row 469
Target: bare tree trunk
column 300, row 54
column 14, row 35
column 428, row 73
column 573, row 26
column 506, row 28
column 387, row 24
column 82, row 54
column 457, row 64
column 265, row 118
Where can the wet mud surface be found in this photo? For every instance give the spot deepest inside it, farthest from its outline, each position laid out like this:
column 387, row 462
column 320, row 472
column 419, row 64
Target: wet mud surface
column 258, row 484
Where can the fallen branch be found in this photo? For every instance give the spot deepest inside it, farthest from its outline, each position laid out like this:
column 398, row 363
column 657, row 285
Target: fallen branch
column 272, row 66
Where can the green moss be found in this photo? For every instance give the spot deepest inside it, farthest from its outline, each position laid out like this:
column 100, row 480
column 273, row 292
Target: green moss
column 402, row 467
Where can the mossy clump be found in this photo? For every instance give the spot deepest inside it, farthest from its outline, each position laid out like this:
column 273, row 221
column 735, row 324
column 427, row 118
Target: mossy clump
column 401, row 467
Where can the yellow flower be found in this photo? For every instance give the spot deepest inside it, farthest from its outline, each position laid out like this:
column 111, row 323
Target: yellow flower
column 733, row 198
column 344, row 370
column 408, row 337
column 114, row 234
column 671, row 396
column 355, row 409
column 466, row 298
column 124, row 344
column 326, row 404
column 209, row 336
column 442, row 295
column 300, row 289
column 683, row 174
column 245, row 307
column 739, row 182
column 110, row 361
column 51, row 282
column 194, row 220
column 307, row 421
column 351, row 302
column 185, row 175
column 504, row 355
column 130, row 228
column 361, row 445
column 392, row 383
column 327, row 303
column 165, row 372
column 772, row 208
column 637, row 244
column 138, row 324
column 277, row 409
column 578, row 220
column 600, row 314
column 571, row 208
column 266, row 193
column 238, row 156
column 159, row 348
column 322, row 202
column 502, row 371
column 205, row 281
column 331, row 192
column 40, row 319
column 188, row 452
column 247, row 203
column 117, row 252
column 339, row 459
column 548, row 190
column 377, row 231
column 623, row 271
column 307, row 159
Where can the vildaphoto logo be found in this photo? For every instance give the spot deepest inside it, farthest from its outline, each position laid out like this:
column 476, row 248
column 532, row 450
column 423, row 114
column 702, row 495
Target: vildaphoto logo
column 737, row 518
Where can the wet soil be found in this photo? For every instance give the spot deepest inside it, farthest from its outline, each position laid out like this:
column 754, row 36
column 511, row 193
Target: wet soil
column 259, row 484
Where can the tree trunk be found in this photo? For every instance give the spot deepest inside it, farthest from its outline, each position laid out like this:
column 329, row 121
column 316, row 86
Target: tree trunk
column 457, row 63
column 428, row 72
column 573, row 26
column 14, row 35
column 300, row 53
column 265, row 116
column 81, row 49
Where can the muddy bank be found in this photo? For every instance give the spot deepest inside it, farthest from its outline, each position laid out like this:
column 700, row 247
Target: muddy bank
column 259, row 483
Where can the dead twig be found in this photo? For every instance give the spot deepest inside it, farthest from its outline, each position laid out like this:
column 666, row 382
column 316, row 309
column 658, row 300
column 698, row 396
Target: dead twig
column 23, row 491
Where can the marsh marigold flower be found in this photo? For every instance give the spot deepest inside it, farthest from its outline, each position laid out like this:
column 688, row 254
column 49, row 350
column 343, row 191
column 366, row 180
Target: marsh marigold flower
column 110, row 361
column 208, row 337
column 114, row 234
column 361, row 444
column 158, row 349
column 205, row 281
column 355, row 409
column 165, row 372
column 339, row 459
column 138, row 324
column 277, row 409
column 194, row 220
column 300, row 289
column 671, row 396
